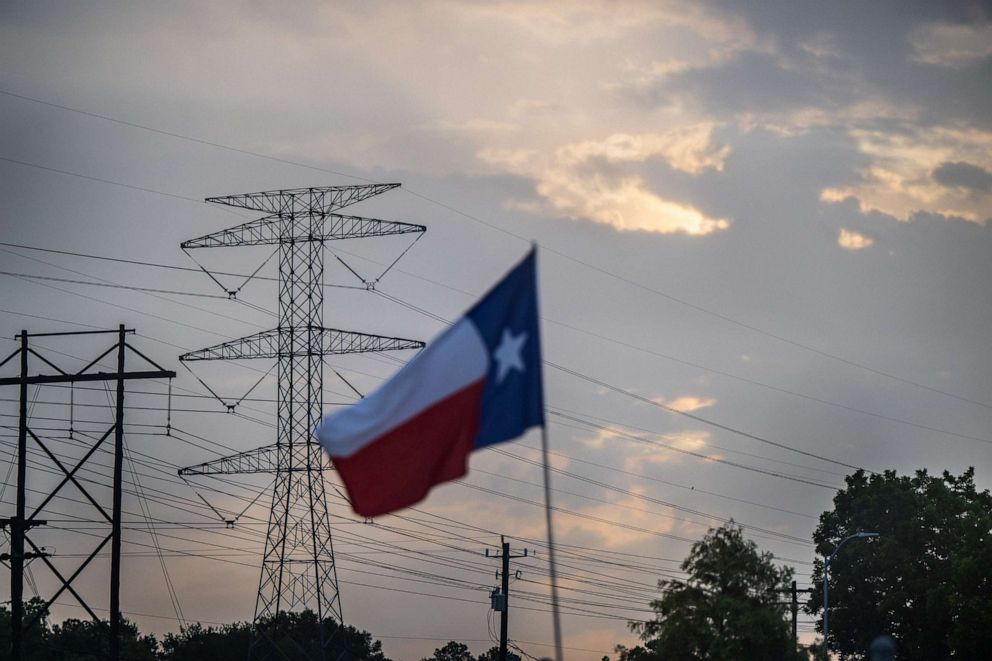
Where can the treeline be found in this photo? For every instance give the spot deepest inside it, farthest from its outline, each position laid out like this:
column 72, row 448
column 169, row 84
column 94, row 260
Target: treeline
column 455, row 651
column 86, row 640
column 297, row 634
column 924, row 581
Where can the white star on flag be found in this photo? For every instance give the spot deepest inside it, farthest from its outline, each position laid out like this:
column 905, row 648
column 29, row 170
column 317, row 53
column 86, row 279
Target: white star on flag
column 507, row 354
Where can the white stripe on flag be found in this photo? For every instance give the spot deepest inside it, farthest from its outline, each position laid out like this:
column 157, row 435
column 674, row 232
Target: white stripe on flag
column 457, row 358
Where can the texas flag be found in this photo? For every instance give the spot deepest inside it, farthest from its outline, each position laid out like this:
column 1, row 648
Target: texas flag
column 477, row 383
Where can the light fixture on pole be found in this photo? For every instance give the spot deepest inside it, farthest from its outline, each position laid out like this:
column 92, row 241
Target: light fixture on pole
column 826, row 575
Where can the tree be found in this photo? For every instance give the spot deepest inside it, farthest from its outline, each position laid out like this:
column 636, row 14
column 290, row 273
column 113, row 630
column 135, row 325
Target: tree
column 453, row 651
column 35, row 641
column 73, row 639
column 296, row 634
column 87, row 640
column 925, row 581
column 195, row 642
column 730, row 608
column 493, row 655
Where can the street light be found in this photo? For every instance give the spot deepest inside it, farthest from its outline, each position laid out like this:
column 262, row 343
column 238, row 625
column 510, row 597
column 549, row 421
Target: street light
column 826, row 575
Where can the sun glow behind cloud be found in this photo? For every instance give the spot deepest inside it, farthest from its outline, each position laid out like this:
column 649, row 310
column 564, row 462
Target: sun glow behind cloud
column 686, row 403
column 588, row 180
column 900, row 179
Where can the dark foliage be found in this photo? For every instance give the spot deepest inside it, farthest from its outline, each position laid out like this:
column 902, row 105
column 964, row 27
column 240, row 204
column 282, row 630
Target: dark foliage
column 455, row 651
column 75, row 640
column 728, row 609
column 926, row 581
column 297, row 634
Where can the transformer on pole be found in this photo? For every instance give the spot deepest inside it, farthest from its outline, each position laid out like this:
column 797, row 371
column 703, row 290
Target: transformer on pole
column 298, row 569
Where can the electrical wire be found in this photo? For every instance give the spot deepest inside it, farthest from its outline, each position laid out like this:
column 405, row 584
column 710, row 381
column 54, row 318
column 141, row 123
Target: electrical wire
column 490, row 225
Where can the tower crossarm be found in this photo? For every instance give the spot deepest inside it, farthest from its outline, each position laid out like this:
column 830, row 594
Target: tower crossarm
column 260, row 460
column 311, row 341
column 272, row 230
column 320, row 200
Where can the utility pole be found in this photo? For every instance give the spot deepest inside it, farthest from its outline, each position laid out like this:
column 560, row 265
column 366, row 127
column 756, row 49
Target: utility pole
column 298, row 568
column 502, row 604
column 795, row 614
column 794, row 607
column 21, row 522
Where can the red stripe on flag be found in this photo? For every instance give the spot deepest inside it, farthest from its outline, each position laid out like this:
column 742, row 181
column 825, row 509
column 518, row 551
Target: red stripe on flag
column 399, row 468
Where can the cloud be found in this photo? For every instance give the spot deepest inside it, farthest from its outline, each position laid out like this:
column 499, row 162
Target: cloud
column 585, row 21
column 754, row 82
column 951, row 45
column 598, row 439
column 686, row 402
column 592, row 179
column 906, row 165
column 637, row 454
column 963, row 175
column 475, row 126
column 851, row 240
column 630, row 510
column 640, row 455
column 689, row 149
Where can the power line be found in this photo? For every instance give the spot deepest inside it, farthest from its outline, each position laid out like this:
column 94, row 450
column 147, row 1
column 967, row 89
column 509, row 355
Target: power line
column 628, row 492
column 439, row 318
column 703, row 456
column 180, row 136
column 697, row 418
column 657, row 501
column 174, row 267
column 114, row 286
column 577, row 613
column 675, row 438
column 768, row 386
column 493, row 226
column 698, row 455
column 674, row 484
column 646, row 400
column 501, row 451
column 98, row 179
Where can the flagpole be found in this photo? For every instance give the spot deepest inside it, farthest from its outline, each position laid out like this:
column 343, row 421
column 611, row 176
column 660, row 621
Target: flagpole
column 551, row 544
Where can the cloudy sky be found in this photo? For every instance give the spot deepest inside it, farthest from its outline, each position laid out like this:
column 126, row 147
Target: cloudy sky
column 771, row 215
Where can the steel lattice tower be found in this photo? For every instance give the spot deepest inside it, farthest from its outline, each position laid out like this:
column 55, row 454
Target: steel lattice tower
column 298, row 568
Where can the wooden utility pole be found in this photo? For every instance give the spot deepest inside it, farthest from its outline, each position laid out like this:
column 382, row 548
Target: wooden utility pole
column 21, row 522
column 502, row 604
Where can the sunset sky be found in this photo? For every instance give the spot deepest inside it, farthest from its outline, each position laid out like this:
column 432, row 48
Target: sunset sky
column 774, row 215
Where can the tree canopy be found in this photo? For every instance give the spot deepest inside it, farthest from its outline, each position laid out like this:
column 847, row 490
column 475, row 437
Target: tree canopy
column 297, row 634
column 925, row 581
column 73, row 639
column 729, row 608
column 455, row 651
column 452, row 651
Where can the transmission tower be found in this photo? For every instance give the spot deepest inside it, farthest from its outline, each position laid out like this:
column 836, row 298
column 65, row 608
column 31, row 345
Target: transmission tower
column 298, row 568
